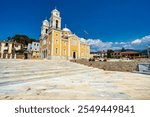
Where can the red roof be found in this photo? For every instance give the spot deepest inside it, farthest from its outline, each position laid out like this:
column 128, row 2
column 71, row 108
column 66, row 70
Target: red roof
column 130, row 52
column 117, row 52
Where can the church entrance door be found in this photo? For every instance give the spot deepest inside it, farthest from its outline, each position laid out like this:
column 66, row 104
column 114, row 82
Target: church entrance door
column 74, row 55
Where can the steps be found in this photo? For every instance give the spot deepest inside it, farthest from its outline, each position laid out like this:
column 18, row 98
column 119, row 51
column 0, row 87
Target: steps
column 47, row 79
column 30, row 72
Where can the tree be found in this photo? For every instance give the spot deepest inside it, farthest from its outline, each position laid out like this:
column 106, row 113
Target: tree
column 123, row 49
column 109, row 53
column 22, row 39
column 9, row 38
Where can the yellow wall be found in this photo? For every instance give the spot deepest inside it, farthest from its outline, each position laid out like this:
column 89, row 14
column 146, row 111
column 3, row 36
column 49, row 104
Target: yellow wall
column 64, row 47
column 82, row 50
column 88, row 51
column 74, row 45
column 57, row 41
column 49, row 44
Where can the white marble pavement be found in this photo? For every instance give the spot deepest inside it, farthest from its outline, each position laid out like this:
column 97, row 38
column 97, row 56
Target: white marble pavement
column 45, row 79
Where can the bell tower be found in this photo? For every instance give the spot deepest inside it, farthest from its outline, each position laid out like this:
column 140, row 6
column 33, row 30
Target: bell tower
column 45, row 27
column 55, row 20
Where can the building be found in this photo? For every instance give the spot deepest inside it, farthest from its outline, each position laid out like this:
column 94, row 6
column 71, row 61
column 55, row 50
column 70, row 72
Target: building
column 32, row 51
column 94, row 55
column 34, row 46
column 127, row 54
column 58, row 43
column 100, row 54
column 116, row 54
column 6, row 50
column 131, row 54
column 11, row 50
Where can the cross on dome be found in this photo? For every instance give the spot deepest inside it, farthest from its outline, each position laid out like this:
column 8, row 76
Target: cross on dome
column 66, row 29
column 65, row 25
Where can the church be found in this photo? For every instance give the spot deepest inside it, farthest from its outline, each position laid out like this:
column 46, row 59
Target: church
column 61, row 43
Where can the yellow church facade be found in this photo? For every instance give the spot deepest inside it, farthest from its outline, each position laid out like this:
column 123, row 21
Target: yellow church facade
column 57, row 43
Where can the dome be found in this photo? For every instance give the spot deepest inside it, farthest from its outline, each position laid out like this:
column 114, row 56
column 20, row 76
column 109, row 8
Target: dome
column 45, row 22
column 66, row 30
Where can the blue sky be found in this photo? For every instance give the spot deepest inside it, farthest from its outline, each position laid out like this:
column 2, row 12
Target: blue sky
column 110, row 23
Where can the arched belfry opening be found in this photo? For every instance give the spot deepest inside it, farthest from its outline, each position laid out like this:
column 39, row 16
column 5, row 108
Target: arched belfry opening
column 46, row 31
column 55, row 20
column 57, row 24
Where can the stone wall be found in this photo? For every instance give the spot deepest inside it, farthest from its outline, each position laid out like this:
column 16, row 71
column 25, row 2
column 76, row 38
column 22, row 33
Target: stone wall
column 19, row 56
column 125, row 66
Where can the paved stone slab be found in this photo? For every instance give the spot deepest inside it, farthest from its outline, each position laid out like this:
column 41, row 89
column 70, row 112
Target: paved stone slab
column 45, row 79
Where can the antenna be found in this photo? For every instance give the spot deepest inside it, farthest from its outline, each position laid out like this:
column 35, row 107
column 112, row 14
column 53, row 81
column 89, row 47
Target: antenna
column 85, row 33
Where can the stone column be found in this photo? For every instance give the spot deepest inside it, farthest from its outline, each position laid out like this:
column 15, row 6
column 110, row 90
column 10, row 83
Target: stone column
column 6, row 56
column 10, row 56
column 79, row 53
column 15, row 56
column 69, row 48
column 61, row 44
column 52, row 47
column 1, row 55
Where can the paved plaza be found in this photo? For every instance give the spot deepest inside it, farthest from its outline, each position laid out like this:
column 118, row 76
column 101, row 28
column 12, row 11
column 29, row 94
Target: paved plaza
column 47, row 79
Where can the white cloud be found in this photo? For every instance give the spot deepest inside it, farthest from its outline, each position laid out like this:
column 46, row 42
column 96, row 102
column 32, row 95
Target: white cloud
column 83, row 40
column 128, row 46
column 123, row 43
column 120, row 43
column 116, row 48
column 146, row 39
column 136, row 42
column 98, row 45
column 143, row 40
column 116, row 43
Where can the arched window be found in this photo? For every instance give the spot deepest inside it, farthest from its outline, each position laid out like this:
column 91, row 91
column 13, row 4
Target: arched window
column 56, row 51
column 46, row 31
column 56, row 23
column 56, row 41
